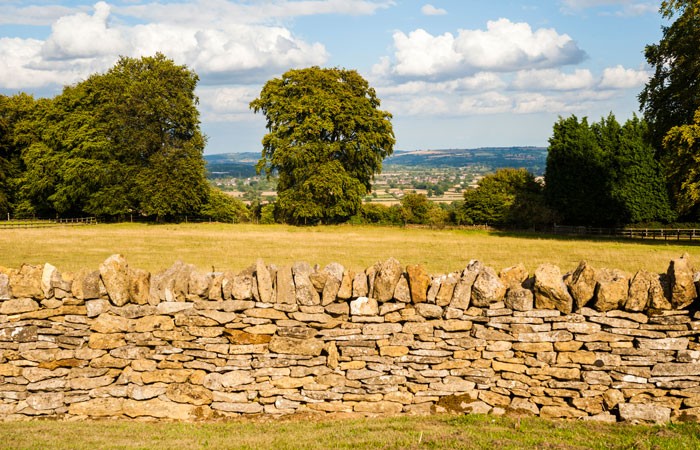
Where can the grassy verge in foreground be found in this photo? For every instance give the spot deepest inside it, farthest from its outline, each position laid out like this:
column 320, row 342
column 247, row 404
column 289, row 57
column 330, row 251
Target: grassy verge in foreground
column 222, row 246
column 435, row 432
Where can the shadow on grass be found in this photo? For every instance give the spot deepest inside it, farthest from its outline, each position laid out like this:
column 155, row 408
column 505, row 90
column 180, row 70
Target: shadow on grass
column 591, row 238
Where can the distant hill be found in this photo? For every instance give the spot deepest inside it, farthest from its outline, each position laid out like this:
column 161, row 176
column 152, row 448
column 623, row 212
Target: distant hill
column 490, row 158
column 533, row 159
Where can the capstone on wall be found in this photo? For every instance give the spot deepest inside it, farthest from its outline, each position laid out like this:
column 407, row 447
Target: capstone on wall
column 183, row 344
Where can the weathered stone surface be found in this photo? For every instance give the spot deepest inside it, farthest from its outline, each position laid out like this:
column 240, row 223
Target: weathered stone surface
column 98, row 407
column 242, row 285
column 334, row 277
column 514, row 276
column 612, row 290
column 680, row 274
column 447, row 288
column 402, row 293
column 386, row 280
column 223, row 381
column 18, row 305
column 429, row 311
column 289, row 345
column 139, row 286
column 418, row 281
column 285, row 286
column 4, row 286
column 519, row 299
column 364, row 306
column 26, row 283
column 114, row 272
column 638, row 412
column 582, row 284
column 360, row 285
column 306, row 293
column 345, row 290
column 86, row 284
column 264, row 281
column 487, row 288
column 645, row 290
column 189, row 393
column 461, row 297
column 550, row 290
column 162, row 409
column 46, row 400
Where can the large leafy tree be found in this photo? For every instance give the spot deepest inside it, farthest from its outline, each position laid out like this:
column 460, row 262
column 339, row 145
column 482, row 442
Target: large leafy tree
column 326, row 139
column 13, row 110
column 604, row 173
column 672, row 95
column 682, row 144
column 508, row 197
column 127, row 141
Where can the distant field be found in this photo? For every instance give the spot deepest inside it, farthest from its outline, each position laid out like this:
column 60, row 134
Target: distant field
column 222, row 246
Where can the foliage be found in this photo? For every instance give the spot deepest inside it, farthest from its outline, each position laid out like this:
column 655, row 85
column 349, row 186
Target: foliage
column 604, row 174
column 13, row 110
column 222, row 207
column 682, row 145
column 120, row 142
column 327, row 138
column 509, row 197
column 672, row 95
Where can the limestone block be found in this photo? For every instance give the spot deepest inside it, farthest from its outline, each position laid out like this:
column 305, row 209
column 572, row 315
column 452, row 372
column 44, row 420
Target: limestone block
column 334, row 277
column 294, row 346
column 306, row 293
column 26, row 283
column 612, row 290
column 639, row 412
column 189, row 393
column 264, row 281
column 364, row 306
column 18, row 306
column 519, row 299
column 550, row 290
column 114, row 272
column 418, row 281
column 582, row 284
column 386, row 279
column 681, row 278
column 447, row 288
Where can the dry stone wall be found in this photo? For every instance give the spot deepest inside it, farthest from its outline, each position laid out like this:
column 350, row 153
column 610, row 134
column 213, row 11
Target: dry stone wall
column 183, row 344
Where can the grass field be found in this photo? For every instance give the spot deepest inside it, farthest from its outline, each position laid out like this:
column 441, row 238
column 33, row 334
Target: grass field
column 435, row 432
column 155, row 247
column 221, row 246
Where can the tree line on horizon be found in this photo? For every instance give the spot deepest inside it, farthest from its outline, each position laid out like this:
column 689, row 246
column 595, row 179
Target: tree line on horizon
column 128, row 143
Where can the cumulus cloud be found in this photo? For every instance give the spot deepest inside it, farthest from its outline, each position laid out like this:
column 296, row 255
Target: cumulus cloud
column 620, row 78
column 503, row 47
column 430, row 10
column 552, row 79
column 227, row 49
column 84, row 36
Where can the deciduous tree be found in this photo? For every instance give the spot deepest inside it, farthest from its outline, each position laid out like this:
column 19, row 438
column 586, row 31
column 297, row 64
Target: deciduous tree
column 326, row 139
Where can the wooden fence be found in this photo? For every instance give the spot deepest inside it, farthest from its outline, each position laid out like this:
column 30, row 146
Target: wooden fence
column 46, row 223
column 665, row 234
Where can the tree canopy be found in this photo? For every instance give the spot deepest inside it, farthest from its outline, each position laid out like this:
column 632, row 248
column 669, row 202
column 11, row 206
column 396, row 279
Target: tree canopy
column 508, row 197
column 326, row 139
column 672, row 95
column 604, row 173
column 126, row 141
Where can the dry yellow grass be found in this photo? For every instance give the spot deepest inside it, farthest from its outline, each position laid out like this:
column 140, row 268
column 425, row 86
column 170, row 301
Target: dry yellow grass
column 156, row 247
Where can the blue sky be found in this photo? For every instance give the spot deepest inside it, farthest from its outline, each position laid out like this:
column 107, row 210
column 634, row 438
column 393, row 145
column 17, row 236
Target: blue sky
column 454, row 74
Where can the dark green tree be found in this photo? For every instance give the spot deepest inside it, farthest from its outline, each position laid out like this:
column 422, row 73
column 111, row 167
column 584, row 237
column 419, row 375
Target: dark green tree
column 576, row 178
column 13, row 110
column 127, row 141
column 508, row 197
column 682, row 144
column 604, row 174
column 672, row 95
column 326, row 139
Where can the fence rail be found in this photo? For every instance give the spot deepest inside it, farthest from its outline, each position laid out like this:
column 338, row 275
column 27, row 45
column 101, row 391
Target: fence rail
column 666, row 234
column 46, row 223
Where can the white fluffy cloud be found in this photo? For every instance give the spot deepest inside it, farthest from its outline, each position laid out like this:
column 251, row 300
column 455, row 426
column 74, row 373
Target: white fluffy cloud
column 552, row 79
column 503, row 47
column 430, row 10
column 620, row 78
column 225, row 42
